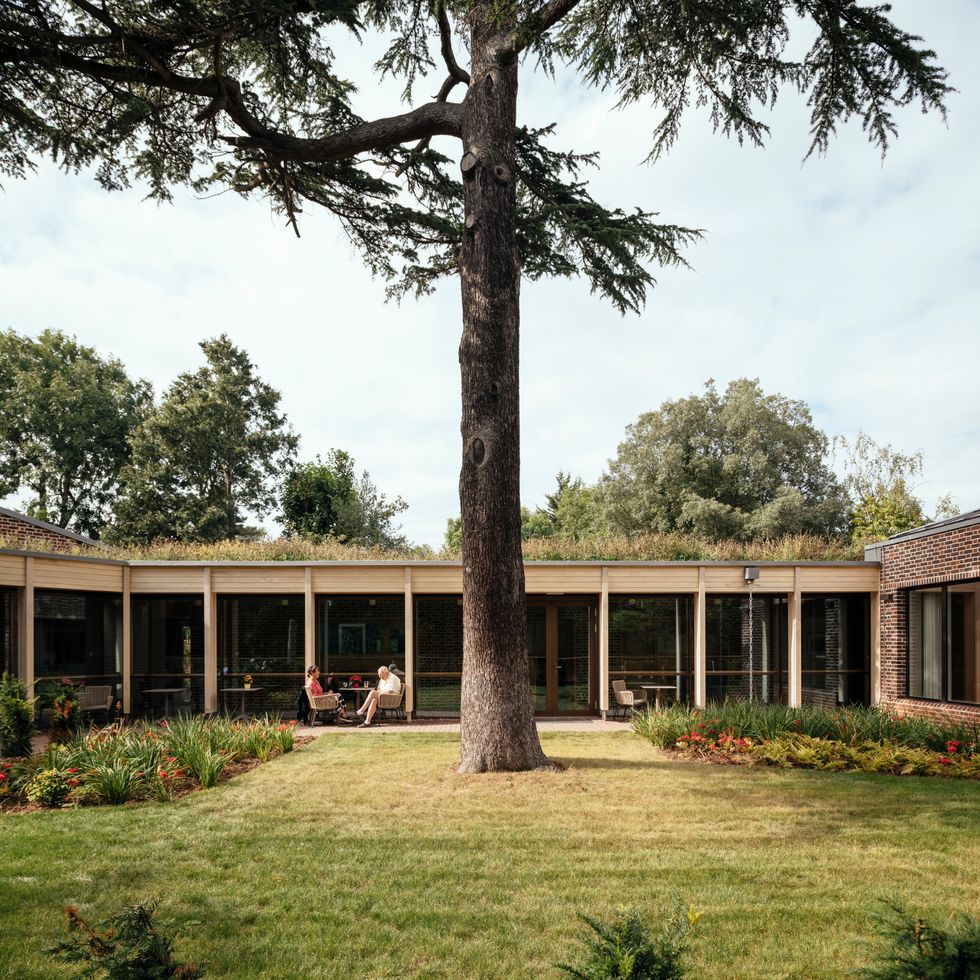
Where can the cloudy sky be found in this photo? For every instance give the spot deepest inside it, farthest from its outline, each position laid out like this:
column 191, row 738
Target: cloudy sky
column 846, row 282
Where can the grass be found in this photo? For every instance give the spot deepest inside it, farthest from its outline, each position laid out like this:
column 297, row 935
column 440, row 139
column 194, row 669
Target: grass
column 674, row 546
column 369, row 857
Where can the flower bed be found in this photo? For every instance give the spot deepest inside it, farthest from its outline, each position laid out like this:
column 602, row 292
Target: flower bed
column 141, row 762
column 847, row 739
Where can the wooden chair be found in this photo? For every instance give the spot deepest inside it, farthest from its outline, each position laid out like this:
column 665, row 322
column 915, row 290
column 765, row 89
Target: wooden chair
column 392, row 704
column 97, row 700
column 627, row 700
column 326, row 704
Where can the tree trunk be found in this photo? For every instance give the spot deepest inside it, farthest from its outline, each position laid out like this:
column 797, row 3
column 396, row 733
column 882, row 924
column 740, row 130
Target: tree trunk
column 497, row 720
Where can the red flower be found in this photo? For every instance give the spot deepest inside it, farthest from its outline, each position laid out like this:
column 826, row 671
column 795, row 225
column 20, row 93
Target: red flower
column 73, row 771
column 945, row 760
column 72, row 782
column 138, row 774
column 163, row 773
column 952, row 745
column 3, row 776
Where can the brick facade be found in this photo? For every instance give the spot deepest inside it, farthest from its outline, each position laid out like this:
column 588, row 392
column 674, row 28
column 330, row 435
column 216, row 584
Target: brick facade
column 947, row 555
column 21, row 531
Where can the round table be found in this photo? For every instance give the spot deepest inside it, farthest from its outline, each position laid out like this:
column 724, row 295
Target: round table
column 244, row 692
column 657, row 688
column 167, row 693
column 359, row 694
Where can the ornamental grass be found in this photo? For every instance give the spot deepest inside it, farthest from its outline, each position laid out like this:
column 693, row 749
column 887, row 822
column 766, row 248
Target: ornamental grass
column 142, row 762
column 673, row 546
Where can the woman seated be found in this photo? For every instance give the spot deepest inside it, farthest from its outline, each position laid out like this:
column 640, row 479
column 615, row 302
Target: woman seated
column 316, row 689
column 388, row 683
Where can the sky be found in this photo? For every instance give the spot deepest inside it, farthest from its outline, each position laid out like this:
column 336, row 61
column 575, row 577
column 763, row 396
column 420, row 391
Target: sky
column 849, row 282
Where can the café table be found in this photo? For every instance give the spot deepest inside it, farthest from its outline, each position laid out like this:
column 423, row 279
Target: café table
column 244, row 692
column 167, row 693
column 360, row 693
column 657, row 688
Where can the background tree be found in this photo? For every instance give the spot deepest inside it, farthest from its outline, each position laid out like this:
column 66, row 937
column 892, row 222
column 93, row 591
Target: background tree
column 246, row 96
column 66, row 415
column 740, row 465
column 326, row 499
column 213, row 450
column 880, row 480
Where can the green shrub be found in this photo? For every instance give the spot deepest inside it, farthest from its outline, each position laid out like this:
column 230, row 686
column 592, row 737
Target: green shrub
column 913, row 949
column 128, row 946
column 804, row 752
column 16, row 717
column 50, row 787
column 626, row 948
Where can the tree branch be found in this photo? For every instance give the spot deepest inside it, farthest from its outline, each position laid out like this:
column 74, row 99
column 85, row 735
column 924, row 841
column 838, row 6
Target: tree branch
column 542, row 20
column 434, row 119
column 446, row 45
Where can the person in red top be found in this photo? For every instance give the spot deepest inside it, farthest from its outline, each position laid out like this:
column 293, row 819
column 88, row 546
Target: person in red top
column 313, row 681
column 316, row 689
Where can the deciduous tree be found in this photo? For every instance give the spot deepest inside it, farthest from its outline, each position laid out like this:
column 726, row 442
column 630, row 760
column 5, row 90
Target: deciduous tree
column 66, row 416
column 742, row 464
column 213, row 451
column 326, row 499
column 246, row 96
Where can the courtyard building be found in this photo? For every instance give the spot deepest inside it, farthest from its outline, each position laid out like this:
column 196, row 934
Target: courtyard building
column 901, row 627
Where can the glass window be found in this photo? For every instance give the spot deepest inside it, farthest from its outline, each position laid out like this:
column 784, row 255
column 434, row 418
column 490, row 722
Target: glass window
column 651, row 642
column 8, row 631
column 358, row 634
column 746, row 645
column 836, row 652
column 77, row 635
column 438, row 655
column 261, row 635
column 168, row 651
column 944, row 643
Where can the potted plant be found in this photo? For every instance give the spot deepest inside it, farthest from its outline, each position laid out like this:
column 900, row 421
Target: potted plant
column 247, row 682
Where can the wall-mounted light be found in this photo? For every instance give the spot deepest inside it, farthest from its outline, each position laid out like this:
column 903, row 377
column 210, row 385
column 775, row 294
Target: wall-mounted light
column 751, row 573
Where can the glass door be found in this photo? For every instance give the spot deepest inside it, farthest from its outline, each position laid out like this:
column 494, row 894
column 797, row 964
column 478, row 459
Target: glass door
column 572, row 680
column 561, row 661
column 537, row 656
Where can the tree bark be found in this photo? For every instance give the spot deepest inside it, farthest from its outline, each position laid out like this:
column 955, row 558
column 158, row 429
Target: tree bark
column 497, row 720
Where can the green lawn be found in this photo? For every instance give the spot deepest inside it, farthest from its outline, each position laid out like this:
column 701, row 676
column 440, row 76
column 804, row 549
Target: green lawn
column 365, row 856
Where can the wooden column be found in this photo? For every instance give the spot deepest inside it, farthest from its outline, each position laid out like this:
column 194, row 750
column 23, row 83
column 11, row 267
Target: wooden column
column 875, row 647
column 210, row 646
column 409, row 645
column 795, row 643
column 25, row 628
column 309, row 622
column 700, row 644
column 127, row 644
column 604, row 645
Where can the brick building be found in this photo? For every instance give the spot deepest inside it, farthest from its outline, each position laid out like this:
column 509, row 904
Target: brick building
column 21, row 531
column 930, row 618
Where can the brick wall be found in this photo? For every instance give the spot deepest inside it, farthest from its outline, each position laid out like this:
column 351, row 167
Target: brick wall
column 27, row 535
column 947, row 556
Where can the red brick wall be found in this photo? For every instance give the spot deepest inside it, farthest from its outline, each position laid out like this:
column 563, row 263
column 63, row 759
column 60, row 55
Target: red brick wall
column 23, row 534
column 947, row 556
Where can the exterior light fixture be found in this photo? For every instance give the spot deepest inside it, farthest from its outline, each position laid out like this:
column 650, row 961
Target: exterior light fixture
column 751, row 573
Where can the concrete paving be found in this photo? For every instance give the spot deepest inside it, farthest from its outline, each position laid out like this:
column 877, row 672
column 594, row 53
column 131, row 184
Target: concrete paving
column 424, row 726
